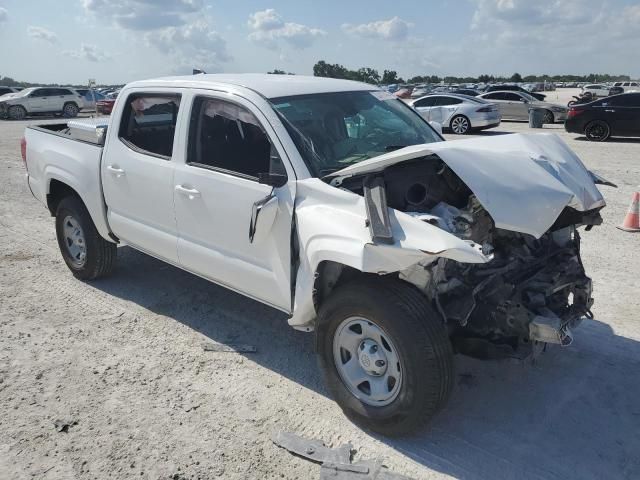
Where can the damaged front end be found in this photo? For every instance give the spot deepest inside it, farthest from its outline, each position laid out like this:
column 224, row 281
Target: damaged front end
column 532, row 290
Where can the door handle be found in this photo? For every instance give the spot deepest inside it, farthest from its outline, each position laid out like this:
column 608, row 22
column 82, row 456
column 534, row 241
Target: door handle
column 610, row 111
column 189, row 192
column 118, row 172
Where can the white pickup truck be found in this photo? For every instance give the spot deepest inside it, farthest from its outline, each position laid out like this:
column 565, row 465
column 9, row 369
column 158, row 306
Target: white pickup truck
column 337, row 204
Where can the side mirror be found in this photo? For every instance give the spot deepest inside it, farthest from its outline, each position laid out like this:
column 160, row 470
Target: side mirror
column 263, row 214
column 275, row 180
column 524, row 100
column 437, row 126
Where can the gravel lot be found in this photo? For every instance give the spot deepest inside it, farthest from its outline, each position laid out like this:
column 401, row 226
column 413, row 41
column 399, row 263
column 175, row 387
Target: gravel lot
column 121, row 360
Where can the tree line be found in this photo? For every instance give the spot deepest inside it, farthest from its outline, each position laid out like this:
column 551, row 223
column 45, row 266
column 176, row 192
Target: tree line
column 371, row 75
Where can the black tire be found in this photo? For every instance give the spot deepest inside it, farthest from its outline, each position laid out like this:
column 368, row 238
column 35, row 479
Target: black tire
column 425, row 352
column 70, row 110
column 100, row 257
column 460, row 125
column 571, row 103
column 597, row 131
column 548, row 117
column 17, row 112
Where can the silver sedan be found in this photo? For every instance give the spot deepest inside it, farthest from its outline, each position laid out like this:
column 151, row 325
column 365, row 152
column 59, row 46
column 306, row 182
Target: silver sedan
column 516, row 105
column 458, row 113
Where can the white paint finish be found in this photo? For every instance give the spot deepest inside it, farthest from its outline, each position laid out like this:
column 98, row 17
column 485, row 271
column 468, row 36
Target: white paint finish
column 331, row 227
column 214, row 225
column 269, row 86
column 524, row 181
column 76, row 164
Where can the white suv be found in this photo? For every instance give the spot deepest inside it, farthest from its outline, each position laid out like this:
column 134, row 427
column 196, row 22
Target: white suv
column 41, row 100
column 597, row 90
column 628, row 86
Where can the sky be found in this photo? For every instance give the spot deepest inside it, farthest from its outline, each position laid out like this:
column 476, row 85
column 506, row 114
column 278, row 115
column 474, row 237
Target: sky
column 117, row 41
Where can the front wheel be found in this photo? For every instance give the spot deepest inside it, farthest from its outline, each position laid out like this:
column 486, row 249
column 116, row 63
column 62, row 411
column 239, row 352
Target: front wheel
column 460, row 125
column 386, row 359
column 17, row 112
column 86, row 253
column 548, row 117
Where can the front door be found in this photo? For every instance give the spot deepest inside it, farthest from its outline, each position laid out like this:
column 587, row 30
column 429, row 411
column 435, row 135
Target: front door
column 137, row 173
column 38, row 100
column 215, row 189
column 515, row 106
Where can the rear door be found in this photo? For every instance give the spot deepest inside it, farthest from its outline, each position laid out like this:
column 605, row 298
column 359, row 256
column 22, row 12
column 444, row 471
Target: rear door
column 138, row 169
column 424, row 106
column 447, row 107
column 500, row 100
column 216, row 192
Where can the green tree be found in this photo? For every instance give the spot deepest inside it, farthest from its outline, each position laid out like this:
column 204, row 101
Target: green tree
column 389, row 76
column 516, row 78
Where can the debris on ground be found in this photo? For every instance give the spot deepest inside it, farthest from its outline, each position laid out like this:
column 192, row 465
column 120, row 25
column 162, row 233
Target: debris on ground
column 335, row 462
column 64, row 425
column 228, row 348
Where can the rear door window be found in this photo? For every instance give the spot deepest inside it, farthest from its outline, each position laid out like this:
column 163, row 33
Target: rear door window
column 425, row 102
column 444, row 101
column 148, row 123
column 512, row 97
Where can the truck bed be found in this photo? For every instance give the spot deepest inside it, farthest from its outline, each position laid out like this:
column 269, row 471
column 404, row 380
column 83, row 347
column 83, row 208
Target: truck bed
column 68, row 153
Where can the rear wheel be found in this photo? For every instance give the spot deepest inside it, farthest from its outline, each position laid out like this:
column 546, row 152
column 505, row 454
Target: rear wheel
column 386, row 359
column 86, row 253
column 460, row 125
column 17, row 112
column 548, row 117
column 597, row 131
column 70, row 110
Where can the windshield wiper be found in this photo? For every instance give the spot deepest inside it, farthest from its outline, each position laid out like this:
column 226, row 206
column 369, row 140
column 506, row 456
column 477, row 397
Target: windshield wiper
column 391, row 148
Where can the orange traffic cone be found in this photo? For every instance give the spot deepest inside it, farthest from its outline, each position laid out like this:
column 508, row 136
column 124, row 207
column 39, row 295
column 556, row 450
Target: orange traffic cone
column 631, row 222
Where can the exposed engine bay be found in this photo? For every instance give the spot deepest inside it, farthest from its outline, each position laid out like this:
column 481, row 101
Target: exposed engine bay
column 533, row 289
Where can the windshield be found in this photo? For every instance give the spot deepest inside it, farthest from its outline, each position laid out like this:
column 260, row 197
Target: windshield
column 335, row 130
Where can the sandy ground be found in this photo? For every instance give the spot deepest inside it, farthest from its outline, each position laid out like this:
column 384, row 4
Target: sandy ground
column 121, row 359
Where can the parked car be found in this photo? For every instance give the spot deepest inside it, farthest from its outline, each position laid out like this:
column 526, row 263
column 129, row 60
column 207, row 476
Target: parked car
column 41, row 100
column 298, row 192
column 597, row 90
column 105, row 106
column 628, row 86
column 90, row 98
column 467, row 91
column 516, row 106
column 514, row 88
column 7, row 90
column 614, row 116
column 459, row 113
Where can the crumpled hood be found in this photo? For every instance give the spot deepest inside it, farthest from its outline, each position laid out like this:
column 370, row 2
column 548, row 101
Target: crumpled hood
column 524, row 181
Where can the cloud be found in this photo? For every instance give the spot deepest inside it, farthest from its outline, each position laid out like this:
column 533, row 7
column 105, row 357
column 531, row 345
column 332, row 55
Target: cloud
column 269, row 29
column 179, row 28
column 394, row 29
column 265, row 20
column 197, row 42
column 144, row 14
column 4, row 15
column 88, row 52
column 41, row 33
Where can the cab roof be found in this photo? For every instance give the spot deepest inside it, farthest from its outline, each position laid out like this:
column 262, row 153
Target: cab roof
column 268, row 85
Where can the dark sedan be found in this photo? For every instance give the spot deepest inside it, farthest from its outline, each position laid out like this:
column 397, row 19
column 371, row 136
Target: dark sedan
column 616, row 116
